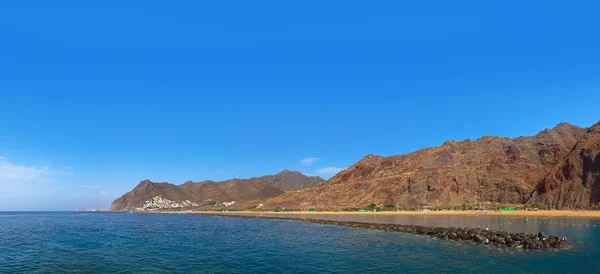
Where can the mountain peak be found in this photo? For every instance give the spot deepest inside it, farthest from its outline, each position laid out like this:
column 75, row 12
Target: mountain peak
column 595, row 128
column 144, row 183
column 285, row 171
column 564, row 127
column 371, row 157
column 563, row 124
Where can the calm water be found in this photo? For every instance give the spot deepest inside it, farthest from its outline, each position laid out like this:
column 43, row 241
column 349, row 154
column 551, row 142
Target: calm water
column 148, row 243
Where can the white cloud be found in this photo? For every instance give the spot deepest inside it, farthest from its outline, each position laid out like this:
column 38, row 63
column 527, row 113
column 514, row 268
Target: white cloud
column 14, row 172
column 309, row 161
column 102, row 193
column 329, row 170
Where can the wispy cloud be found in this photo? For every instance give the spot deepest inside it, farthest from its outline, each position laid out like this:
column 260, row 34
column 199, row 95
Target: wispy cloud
column 14, row 172
column 102, row 193
column 309, row 161
column 329, row 170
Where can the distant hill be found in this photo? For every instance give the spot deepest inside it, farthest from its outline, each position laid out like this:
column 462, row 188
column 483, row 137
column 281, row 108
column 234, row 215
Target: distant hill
column 253, row 189
column 489, row 169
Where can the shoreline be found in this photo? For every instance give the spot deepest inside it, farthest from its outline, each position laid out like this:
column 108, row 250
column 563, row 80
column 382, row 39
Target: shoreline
column 545, row 213
column 540, row 213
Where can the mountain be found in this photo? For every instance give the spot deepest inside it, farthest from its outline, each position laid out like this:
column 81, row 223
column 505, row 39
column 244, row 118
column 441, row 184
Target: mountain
column 291, row 180
column 494, row 169
column 253, row 189
column 575, row 181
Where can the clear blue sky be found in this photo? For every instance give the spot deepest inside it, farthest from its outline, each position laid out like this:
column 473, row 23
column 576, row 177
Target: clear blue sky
column 96, row 96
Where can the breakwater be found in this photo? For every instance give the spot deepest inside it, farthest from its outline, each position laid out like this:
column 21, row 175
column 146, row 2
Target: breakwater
column 500, row 239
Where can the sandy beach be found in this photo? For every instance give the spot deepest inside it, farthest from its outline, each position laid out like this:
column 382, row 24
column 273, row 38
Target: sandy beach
column 540, row 213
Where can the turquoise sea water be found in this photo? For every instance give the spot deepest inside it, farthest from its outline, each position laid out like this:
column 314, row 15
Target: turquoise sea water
column 169, row 243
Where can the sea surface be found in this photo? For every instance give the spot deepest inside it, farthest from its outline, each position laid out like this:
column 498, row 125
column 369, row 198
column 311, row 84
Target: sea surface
column 65, row 242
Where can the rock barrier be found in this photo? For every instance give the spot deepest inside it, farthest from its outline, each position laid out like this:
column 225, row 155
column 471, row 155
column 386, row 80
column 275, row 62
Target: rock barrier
column 500, row 239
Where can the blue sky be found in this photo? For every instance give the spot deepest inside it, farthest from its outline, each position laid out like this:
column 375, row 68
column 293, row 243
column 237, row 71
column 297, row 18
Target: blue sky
column 96, row 96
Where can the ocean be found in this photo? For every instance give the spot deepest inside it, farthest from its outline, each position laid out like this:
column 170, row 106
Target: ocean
column 72, row 242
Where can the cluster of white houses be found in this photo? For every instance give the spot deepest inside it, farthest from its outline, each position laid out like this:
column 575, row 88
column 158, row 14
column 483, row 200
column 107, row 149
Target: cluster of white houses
column 158, row 202
column 227, row 204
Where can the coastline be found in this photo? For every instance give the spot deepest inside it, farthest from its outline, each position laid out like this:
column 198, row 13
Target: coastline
column 541, row 213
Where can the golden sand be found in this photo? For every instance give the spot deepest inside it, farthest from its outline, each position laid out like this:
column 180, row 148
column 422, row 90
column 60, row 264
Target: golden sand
column 540, row 213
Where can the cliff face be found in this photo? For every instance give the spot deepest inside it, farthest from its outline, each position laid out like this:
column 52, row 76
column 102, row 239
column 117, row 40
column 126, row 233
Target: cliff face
column 575, row 181
column 492, row 169
column 253, row 189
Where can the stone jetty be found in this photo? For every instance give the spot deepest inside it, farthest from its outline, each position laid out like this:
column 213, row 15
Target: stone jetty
column 500, row 239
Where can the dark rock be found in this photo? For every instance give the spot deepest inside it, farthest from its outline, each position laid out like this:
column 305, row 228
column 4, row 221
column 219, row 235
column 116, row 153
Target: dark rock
column 545, row 244
column 501, row 239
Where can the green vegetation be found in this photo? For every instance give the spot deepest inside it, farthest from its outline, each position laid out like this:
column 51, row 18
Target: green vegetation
column 389, row 207
column 538, row 205
column 594, row 206
column 252, row 208
column 209, row 206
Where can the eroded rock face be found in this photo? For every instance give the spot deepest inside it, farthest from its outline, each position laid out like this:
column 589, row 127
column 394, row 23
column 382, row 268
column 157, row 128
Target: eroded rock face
column 490, row 168
column 575, row 181
column 253, row 189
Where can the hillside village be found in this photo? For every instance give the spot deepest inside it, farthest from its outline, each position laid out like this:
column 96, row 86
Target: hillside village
column 159, row 203
column 245, row 192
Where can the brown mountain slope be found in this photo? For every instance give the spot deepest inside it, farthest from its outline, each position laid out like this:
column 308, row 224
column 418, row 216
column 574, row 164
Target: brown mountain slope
column 575, row 181
column 488, row 169
column 291, row 180
column 252, row 189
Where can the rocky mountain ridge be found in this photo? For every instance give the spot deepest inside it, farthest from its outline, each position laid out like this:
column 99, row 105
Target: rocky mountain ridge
column 489, row 169
column 248, row 190
column 559, row 167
